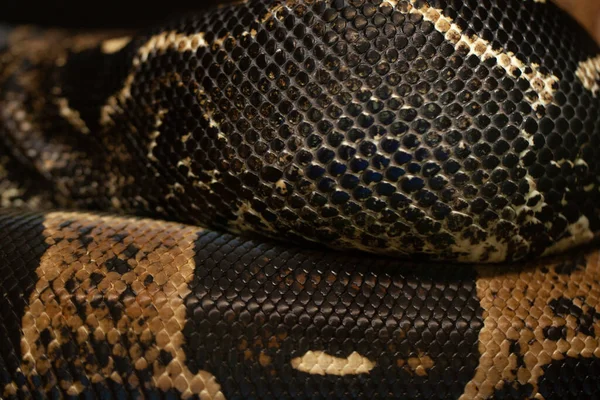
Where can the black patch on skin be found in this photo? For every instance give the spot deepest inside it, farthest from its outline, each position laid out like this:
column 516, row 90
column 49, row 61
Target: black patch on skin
column 127, row 293
column 96, row 278
column 97, row 301
column 86, row 230
column 118, row 265
column 568, row 266
column 131, row 251
column 22, row 244
column 84, row 238
column 251, row 298
column 115, row 309
column 80, row 308
column 514, row 389
column 70, row 285
column 102, row 352
column 571, row 378
column 564, row 307
column 515, row 348
column 165, row 357
column 65, row 224
column 105, row 76
column 122, row 365
column 118, row 237
column 69, row 350
column 45, row 337
column 555, row 333
column 148, row 280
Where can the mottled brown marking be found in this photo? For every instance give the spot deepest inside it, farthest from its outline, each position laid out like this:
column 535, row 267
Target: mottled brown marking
column 533, row 316
column 83, row 302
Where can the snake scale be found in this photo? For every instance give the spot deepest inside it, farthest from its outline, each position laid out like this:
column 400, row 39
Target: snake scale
column 294, row 199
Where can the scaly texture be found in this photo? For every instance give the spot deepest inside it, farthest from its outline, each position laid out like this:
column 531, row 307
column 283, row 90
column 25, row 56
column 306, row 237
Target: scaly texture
column 111, row 307
column 455, row 130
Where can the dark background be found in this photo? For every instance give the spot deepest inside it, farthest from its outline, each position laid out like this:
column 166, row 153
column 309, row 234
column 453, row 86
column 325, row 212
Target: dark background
column 97, row 13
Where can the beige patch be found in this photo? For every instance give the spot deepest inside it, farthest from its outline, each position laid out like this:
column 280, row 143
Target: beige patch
column 588, row 72
column 114, row 45
column 91, row 281
column 71, row 115
column 517, row 308
column 321, row 363
column 419, row 365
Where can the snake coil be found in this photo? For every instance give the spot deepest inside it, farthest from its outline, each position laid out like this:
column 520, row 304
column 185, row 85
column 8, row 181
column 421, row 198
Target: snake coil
column 447, row 138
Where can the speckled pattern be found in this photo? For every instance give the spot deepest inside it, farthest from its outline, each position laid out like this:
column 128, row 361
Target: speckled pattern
column 113, row 307
column 446, row 130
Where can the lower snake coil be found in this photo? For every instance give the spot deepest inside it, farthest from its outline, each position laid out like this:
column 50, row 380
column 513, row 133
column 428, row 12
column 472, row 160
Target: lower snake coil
column 303, row 199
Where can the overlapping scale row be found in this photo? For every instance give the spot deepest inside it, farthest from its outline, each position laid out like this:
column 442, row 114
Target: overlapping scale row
column 456, row 130
column 98, row 306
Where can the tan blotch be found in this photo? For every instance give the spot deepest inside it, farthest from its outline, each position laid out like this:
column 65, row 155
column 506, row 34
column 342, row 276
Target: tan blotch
column 321, row 363
column 516, row 309
column 84, row 271
column 588, row 72
column 111, row 46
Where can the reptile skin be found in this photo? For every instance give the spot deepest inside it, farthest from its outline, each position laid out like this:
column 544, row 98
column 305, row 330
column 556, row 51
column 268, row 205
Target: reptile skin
column 418, row 131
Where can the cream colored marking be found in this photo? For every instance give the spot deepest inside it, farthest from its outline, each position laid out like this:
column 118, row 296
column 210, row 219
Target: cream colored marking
column 419, row 365
column 10, row 389
column 253, row 33
column 272, row 13
column 588, row 73
column 157, row 44
column 72, row 116
column 495, row 250
column 111, row 46
column 516, row 309
column 280, row 184
column 156, row 133
column 240, row 226
column 152, row 320
column 321, row 363
column 542, row 84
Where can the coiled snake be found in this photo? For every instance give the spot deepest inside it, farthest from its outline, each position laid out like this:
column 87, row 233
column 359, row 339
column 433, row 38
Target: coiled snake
column 380, row 197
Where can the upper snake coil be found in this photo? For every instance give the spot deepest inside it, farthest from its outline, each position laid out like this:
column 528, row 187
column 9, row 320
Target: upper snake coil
column 448, row 131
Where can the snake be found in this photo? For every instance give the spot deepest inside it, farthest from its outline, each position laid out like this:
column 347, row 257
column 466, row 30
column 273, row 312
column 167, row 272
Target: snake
column 303, row 199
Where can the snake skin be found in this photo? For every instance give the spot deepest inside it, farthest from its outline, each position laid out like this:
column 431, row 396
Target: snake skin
column 448, row 130
column 442, row 130
column 113, row 307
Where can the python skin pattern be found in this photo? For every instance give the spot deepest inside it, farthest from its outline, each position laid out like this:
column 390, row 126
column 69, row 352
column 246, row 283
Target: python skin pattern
column 303, row 199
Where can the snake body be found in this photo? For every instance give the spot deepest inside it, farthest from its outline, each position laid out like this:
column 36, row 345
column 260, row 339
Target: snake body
column 438, row 136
